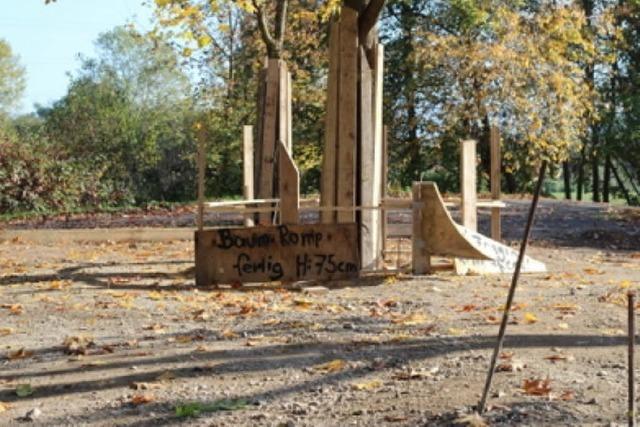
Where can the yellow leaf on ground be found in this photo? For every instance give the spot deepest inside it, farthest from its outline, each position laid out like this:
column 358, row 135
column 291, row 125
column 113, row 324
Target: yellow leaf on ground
column 19, row 354
column 368, row 385
column 530, row 318
column 5, row 331
column 5, row 407
column 411, row 319
column 332, row 366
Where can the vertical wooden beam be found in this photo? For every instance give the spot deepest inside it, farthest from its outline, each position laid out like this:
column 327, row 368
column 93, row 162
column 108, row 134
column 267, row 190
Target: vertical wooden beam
column 328, row 178
column 283, row 105
column 369, row 185
column 496, row 180
column 420, row 259
column 257, row 152
column 201, row 137
column 378, row 144
column 289, row 113
column 348, row 123
column 383, row 190
column 247, row 169
column 270, row 129
column 468, row 179
column 289, row 186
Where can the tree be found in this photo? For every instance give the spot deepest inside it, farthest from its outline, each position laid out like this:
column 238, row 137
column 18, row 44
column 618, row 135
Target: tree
column 12, row 79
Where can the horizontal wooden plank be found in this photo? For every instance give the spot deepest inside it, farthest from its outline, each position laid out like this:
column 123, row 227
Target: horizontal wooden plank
column 285, row 253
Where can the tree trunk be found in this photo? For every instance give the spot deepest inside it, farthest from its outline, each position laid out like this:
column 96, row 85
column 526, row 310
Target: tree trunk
column 596, row 177
column 580, row 188
column 510, row 180
column 566, row 171
column 606, row 179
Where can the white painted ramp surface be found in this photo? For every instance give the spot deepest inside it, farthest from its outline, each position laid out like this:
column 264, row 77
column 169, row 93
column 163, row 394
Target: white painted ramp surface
column 502, row 259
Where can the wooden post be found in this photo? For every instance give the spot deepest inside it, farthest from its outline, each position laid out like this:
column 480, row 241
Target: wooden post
column 496, row 179
column 348, row 123
column 201, row 137
column 283, row 105
column 289, row 102
column 269, row 135
column 369, row 186
column 468, row 179
column 383, row 190
column 420, row 259
column 328, row 178
column 289, row 186
column 247, row 169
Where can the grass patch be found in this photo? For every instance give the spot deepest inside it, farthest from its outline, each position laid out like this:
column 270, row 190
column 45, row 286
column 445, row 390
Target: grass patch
column 194, row 409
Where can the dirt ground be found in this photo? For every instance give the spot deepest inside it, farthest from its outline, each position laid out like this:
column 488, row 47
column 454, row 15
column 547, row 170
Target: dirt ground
column 115, row 334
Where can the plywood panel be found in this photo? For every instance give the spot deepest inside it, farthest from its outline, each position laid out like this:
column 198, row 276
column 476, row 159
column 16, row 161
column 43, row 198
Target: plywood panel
column 347, row 127
column 328, row 178
column 276, row 253
column 289, row 187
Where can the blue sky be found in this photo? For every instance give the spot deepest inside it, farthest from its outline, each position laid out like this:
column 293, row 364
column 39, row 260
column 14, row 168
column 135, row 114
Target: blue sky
column 49, row 38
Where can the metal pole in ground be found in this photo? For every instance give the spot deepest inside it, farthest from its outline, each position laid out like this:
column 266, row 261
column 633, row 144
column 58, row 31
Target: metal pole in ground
column 512, row 290
column 631, row 415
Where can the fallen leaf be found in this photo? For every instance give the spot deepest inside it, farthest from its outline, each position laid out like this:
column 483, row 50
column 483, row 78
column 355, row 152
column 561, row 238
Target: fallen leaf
column 5, row 331
column 19, row 354
column 5, row 407
column 368, row 385
column 567, row 395
column 471, row 420
column 78, row 344
column 16, row 309
column 512, row 366
column 530, row 318
column 560, row 357
column 537, row 387
column 332, row 366
column 229, row 334
column 593, row 271
column 411, row 319
column 141, row 399
column 24, row 390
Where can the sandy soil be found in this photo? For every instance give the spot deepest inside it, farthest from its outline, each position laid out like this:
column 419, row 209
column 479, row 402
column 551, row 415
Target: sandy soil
column 386, row 350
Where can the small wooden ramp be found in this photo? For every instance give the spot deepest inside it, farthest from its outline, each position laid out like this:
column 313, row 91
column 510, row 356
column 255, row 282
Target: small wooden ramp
column 473, row 253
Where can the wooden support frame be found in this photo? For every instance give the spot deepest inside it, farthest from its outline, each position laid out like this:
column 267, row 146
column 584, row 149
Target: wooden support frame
column 420, row 258
column 201, row 160
column 328, row 179
column 289, row 187
column 496, row 180
column 347, row 126
column 247, row 169
column 468, row 180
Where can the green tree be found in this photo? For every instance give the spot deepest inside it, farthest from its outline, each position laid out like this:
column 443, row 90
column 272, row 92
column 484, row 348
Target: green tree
column 12, row 79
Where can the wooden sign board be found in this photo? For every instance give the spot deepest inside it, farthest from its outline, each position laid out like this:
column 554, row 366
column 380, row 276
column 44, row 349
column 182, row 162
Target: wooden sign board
column 285, row 253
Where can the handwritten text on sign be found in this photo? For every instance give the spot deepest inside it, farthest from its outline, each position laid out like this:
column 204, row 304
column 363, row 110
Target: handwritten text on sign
column 282, row 253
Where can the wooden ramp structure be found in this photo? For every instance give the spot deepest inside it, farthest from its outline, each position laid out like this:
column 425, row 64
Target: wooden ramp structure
column 436, row 234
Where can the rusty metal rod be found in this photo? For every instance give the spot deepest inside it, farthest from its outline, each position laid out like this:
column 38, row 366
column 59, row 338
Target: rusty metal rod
column 631, row 415
column 512, row 290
